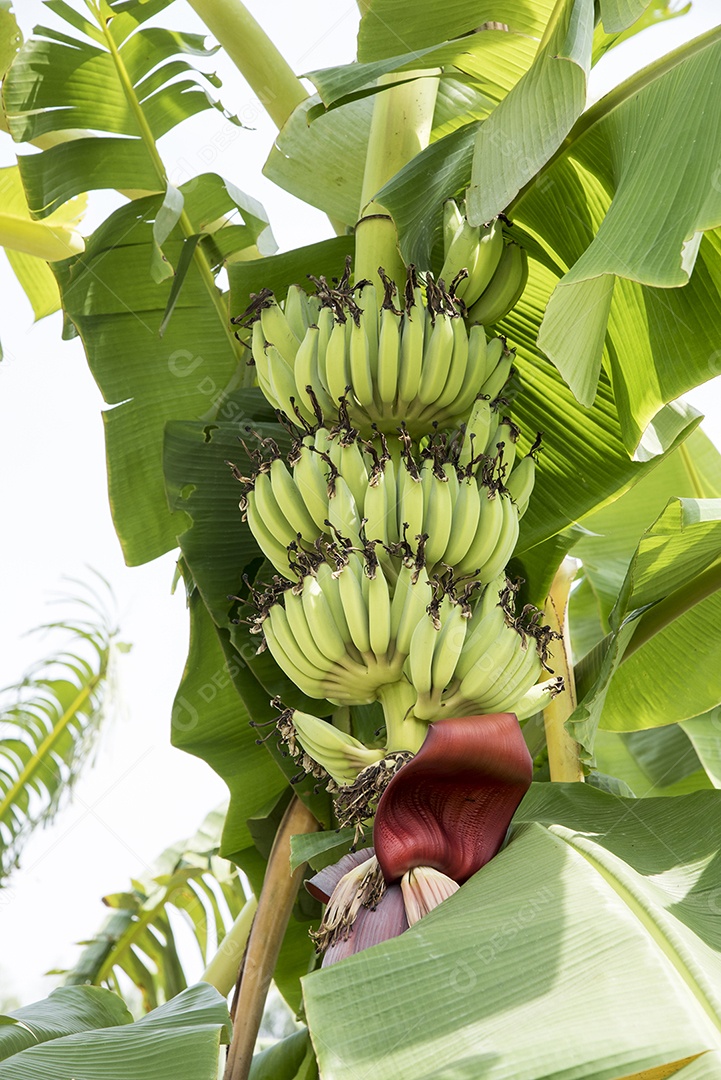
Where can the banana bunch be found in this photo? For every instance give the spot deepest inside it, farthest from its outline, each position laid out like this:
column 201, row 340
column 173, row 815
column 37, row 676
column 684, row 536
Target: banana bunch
column 487, row 273
column 463, row 664
column 461, row 503
column 340, row 754
column 417, row 365
column 343, row 634
column 459, row 661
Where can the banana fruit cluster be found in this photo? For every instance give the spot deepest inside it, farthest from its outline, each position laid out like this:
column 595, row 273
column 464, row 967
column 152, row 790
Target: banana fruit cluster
column 393, row 518
column 458, row 659
column 460, row 501
column 493, row 273
column 417, row 364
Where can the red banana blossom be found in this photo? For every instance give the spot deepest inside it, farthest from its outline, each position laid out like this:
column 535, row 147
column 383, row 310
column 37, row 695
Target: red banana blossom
column 439, row 820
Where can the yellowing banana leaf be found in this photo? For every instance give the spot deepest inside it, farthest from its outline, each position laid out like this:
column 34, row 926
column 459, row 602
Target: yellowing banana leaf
column 30, row 245
column 495, row 982
column 181, row 1038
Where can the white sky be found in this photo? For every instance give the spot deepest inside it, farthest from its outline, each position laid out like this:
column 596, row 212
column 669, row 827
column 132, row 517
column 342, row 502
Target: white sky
column 141, row 794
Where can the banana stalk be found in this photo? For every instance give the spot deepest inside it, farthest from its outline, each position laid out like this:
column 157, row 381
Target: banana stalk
column 563, row 751
column 400, row 129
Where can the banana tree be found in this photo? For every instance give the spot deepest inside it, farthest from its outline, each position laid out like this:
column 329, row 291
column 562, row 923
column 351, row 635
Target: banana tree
column 435, row 422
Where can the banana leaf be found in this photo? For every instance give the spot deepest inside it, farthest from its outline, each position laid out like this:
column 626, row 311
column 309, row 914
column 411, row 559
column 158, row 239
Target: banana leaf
column 85, row 1032
column 588, row 947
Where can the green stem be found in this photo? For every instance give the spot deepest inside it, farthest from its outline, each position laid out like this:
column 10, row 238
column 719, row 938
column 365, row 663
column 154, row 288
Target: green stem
column 222, row 971
column 673, row 607
column 400, row 129
column 146, row 134
column 403, row 730
column 254, row 54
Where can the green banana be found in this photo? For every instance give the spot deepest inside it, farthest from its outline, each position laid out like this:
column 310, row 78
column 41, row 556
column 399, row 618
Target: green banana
column 379, row 614
column 270, row 512
column 311, row 687
column 277, row 332
column 475, row 437
column 437, row 356
column 389, row 352
column 290, row 501
column 420, row 657
column 489, row 666
column 258, row 344
column 272, row 548
column 336, row 363
column 321, row 623
column 456, row 375
column 351, row 464
column 341, row 755
column 296, row 311
column 490, row 250
column 361, row 376
column 374, row 509
column 498, row 378
column 466, row 513
column 503, row 442
column 411, row 355
column 485, row 543
column 329, row 585
column 519, row 680
column 325, row 329
column 282, row 385
column 410, row 506
column 437, row 513
column 520, row 483
column 536, row 698
column 356, row 611
column 311, row 479
column 461, row 254
column 507, row 538
column 301, row 631
column 343, row 513
column 279, row 623
column 369, row 322
column 452, row 221
column 417, row 598
column 476, row 372
column 487, row 623
column 449, row 646
column 505, row 288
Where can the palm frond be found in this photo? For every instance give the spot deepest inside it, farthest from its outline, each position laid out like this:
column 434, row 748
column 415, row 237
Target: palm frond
column 141, row 941
column 49, row 720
